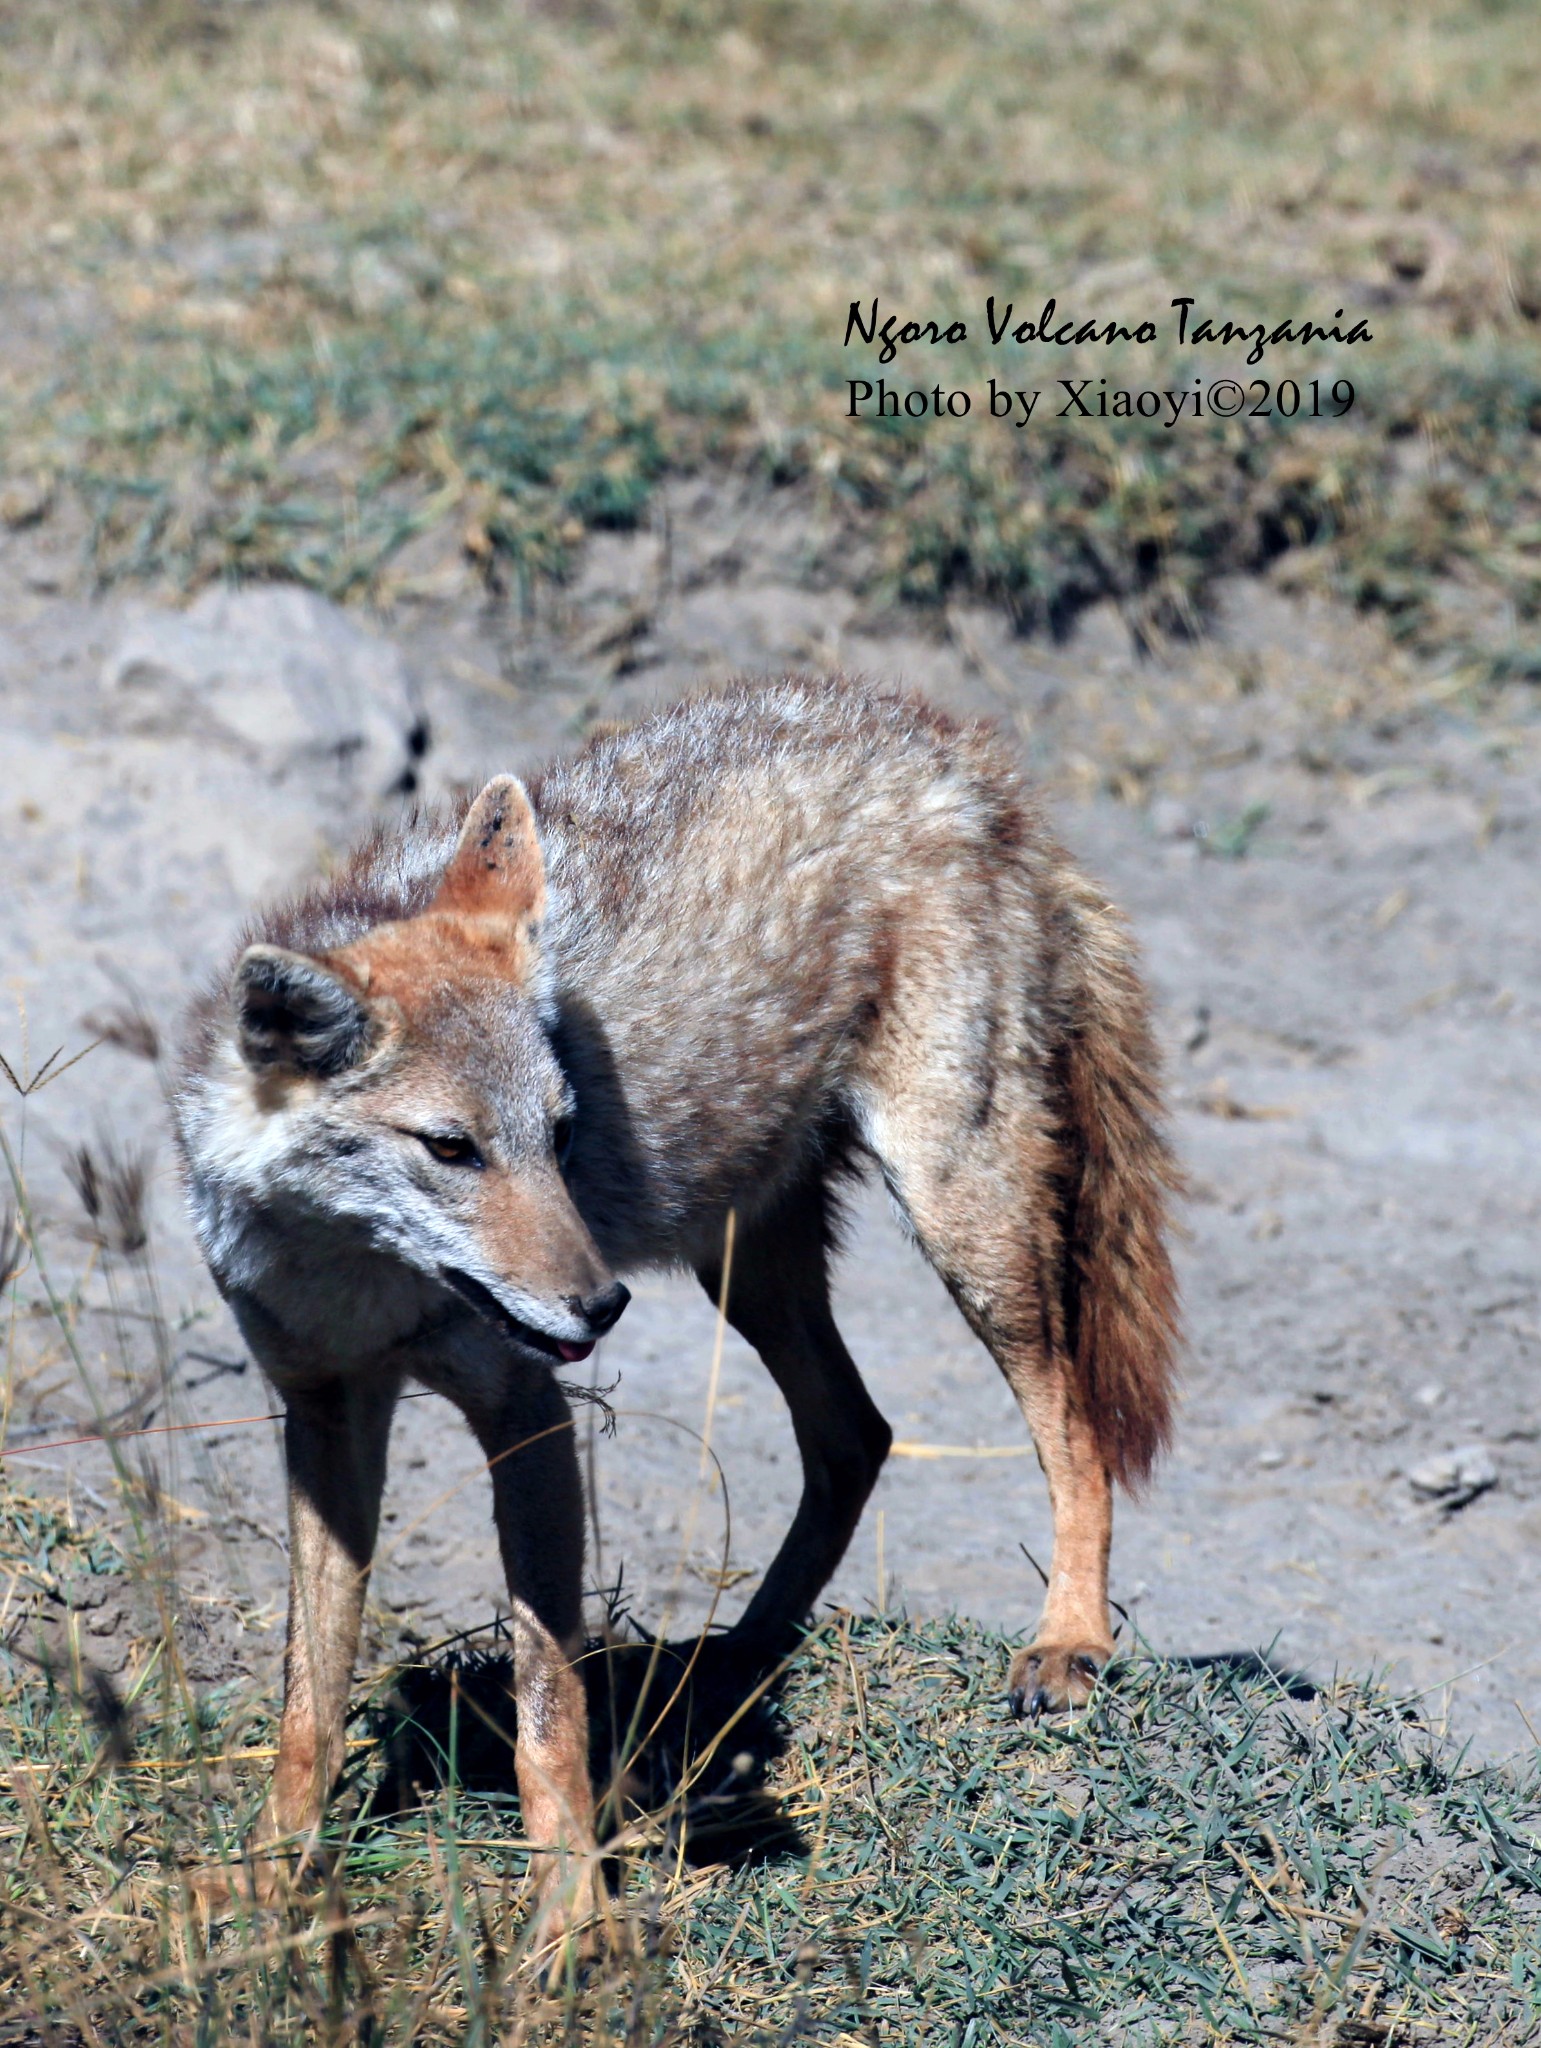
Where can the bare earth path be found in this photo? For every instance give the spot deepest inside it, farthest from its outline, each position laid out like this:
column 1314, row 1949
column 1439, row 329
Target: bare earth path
column 1347, row 958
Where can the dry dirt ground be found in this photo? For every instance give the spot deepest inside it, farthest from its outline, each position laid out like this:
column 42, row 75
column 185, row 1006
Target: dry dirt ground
column 1333, row 862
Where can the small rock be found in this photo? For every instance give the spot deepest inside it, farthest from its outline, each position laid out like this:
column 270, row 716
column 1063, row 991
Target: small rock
column 1271, row 1459
column 24, row 501
column 1455, row 1477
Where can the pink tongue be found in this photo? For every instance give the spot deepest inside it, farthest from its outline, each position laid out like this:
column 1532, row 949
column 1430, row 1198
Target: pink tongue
column 573, row 1352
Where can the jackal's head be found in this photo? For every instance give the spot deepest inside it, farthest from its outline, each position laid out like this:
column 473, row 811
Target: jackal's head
column 390, row 1124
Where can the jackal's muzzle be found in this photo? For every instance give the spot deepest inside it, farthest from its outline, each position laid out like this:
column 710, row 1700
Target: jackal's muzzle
column 596, row 1314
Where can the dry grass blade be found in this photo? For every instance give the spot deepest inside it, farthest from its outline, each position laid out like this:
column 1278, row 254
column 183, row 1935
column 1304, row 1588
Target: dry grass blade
column 128, row 1026
column 13, row 1249
column 112, row 1183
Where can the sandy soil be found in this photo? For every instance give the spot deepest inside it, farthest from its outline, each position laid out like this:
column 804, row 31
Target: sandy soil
column 1349, row 983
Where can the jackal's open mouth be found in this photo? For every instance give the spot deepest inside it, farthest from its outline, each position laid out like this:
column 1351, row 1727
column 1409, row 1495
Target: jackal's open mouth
column 487, row 1305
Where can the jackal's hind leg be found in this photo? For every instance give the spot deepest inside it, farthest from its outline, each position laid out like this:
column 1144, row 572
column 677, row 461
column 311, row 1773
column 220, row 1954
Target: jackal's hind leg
column 1074, row 1637
column 983, row 1205
column 778, row 1301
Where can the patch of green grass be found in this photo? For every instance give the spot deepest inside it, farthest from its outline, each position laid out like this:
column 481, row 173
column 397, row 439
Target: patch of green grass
column 1200, row 1856
column 1231, row 838
column 342, row 279
column 321, row 467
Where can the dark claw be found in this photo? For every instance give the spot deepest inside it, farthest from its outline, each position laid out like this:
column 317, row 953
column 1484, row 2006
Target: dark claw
column 1087, row 1666
column 1016, row 1703
column 1039, row 1704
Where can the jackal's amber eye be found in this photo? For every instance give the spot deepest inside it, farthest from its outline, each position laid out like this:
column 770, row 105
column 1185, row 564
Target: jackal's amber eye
column 455, row 1149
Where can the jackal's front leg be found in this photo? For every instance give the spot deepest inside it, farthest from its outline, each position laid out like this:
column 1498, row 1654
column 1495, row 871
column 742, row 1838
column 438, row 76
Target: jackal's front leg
column 335, row 1442
column 335, row 1438
column 527, row 1437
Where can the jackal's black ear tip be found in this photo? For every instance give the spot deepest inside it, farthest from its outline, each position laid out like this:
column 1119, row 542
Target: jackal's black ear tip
column 497, row 867
column 295, row 1012
column 500, row 789
column 499, row 815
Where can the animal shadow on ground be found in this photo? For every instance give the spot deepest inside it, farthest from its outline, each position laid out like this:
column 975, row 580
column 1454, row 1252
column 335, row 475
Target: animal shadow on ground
column 697, row 1725
column 1251, row 1664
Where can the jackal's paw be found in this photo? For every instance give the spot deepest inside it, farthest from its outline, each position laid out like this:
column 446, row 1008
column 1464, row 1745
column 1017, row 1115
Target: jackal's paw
column 218, row 1890
column 1048, row 1678
column 567, row 1931
column 259, row 1880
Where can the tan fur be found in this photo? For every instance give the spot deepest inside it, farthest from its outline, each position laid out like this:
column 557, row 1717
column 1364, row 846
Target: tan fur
column 711, row 965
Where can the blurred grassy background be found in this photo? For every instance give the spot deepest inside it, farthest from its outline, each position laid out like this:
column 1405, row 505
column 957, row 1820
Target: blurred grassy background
column 291, row 287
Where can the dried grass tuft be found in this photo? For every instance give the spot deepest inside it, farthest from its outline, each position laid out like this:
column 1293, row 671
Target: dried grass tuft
column 112, row 1182
column 128, row 1026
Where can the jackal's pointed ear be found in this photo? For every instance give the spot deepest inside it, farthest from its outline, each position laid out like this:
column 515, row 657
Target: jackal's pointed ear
column 497, row 869
column 295, row 1012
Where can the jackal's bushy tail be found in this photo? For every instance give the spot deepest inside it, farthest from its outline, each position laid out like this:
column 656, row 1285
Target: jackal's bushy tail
column 1121, row 1294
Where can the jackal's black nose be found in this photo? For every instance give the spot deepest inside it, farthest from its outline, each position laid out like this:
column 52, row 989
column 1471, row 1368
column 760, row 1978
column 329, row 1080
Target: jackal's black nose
column 602, row 1311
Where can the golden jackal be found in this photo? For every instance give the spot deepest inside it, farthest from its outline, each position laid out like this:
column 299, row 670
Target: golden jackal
column 713, row 963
